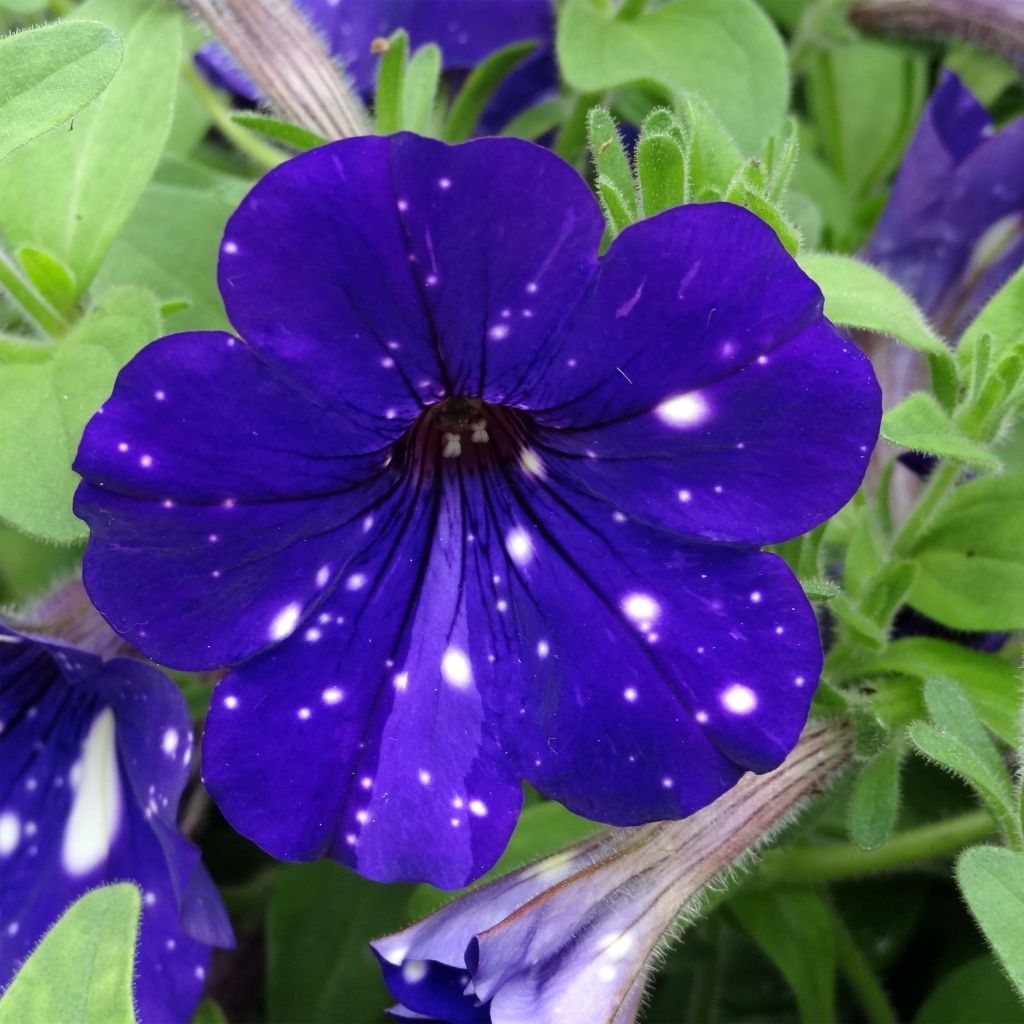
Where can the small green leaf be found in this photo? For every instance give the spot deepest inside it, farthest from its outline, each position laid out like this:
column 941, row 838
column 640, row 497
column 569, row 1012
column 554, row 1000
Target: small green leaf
column 391, row 84
column 921, row 424
column 609, row 156
column 479, row 87
column 741, row 193
column 613, row 203
column 858, row 295
column 971, row 559
column 82, row 970
column 291, row 135
column 45, row 404
column 793, row 928
column 53, row 280
column 93, row 176
column 50, row 74
column 1001, row 321
column 419, row 91
column 874, row 802
column 538, row 120
column 209, row 1013
column 661, row 173
column 975, row 991
column 992, row 880
column 713, row 156
column 863, row 627
column 730, row 54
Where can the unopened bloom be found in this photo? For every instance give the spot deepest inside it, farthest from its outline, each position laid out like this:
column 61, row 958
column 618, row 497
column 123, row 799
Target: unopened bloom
column 94, row 755
column 571, row 937
column 952, row 231
column 467, row 31
column 470, row 505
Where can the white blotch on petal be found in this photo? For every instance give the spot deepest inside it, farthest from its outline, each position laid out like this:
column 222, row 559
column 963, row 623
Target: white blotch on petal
column 10, row 833
column 617, row 944
column 146, row 461
column 478, row 807
column 499, row 332
column 543, row 649
column 414, row 971
column 641, row 608
column 323, row 574
column 531, row 462
column 96, row 808
column 401, row 681
column 285, row 622
column 630, row 694
column 231, row 703
column 686, row 410
column 739, row 699
column 519, row 546
column 756, row 596
column 332, row 695
column 304, row 714
column 455, row 668
column 230, row 248
column 702, row 717
column 424, row 776
column 169, row 744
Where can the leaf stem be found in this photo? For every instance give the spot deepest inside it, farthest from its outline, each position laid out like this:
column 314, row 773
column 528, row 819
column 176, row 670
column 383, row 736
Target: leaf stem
column 941, row 482
column 803, row 865
column 261, row 153
column 31, row 304
column 861, row 975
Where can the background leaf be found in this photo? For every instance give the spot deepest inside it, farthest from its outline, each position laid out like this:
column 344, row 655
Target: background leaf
column 51, row 73
column 82, row 970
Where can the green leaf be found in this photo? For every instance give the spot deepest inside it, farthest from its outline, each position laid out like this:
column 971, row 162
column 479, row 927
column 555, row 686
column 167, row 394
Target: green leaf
column 729, row 54
column 93, row 176
column 539, row 119
column 291, row 135
column 170, row 246
column 52, row 279
column 874, row 802
column 661, row 173
column 479, row 87
column 320, row 968
column 209, row 1013
column 1001, row 320
column 992, row 880
column 713, row 156
column 45, row 404
column 50, row 74
column 971, row 559
column 974, row 991
column 988, row 682
column 613, row 203
column 794, row 930
column 921, row 424
column 858, row 295
column 419, row 91
column 609, row 156
column 82, row 970
column 387, row 106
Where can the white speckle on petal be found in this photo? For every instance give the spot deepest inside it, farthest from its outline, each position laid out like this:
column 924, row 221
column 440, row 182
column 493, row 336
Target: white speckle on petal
column 630, row 694
column 641, row 608
column 755, row 597
column 519, row 546
column 323, row 574
column 285, row 622
column 543, row 649
column 312, row 635
column 356, row 581
column 230, row 248
column 169, row 744
column 305, row 714
column 499, row 332
column 146, row 461
column 444, row 183
column 686, row 410
column 10, row 833
column 478, row 807
column 739, row 699
column 414, row 971
column 401, row 681
column 231, row 702
column 456, row 669
column 424, row 776
column 531, row 462
column 332, row 695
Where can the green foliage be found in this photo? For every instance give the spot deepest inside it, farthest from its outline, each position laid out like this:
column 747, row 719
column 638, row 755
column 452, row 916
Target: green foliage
column 320, row 969
column 992, row 880
column 1001, row 321
column 975, row 991
column 291, row 135
column 971, row 560
column 47, row 394
column 956, row 740
column 729, row 54
column 93, row 176
column 50, row 74
column 874, row 803
column 793, row 928
column 82, row 970
column 479, row 87
column 920, row 423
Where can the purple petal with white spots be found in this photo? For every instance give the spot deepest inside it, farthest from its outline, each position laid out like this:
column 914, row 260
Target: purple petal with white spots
column 953, row 230
column 452, row 517
column 95, row 757
column 466, row 30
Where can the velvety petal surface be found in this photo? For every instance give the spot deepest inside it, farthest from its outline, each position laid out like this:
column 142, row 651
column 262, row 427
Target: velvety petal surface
column 94, row 759
column 953, row 229
column 449, row 276
column 222, row 499
column 712, row 398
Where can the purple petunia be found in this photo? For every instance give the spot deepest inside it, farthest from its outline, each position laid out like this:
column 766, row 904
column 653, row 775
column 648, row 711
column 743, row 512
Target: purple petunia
column 467, row 31
column 952, row 232
column 95, row 755
column 470, row 505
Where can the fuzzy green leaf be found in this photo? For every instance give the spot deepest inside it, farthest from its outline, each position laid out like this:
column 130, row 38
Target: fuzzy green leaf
column 479, row 87
column 291, row 135
column 921, row 424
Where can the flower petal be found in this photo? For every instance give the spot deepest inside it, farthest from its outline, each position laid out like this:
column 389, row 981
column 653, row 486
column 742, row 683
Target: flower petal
column 222, row 502
column 95, row 756
column 414, row 269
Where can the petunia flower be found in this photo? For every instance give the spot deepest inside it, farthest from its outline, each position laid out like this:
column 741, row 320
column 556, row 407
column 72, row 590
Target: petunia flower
column 467, row 31
column 94, row 755
column 572, row 937
column 470, row 505
column 952, row 232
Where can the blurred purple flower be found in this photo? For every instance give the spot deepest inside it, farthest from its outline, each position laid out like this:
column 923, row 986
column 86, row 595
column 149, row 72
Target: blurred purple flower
column 94, row 755
column 467, row 31
column 952, row 232
column 470, row 505
column 571, row 938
